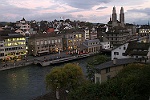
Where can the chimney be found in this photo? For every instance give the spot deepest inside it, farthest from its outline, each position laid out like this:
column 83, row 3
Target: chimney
column 114, row 61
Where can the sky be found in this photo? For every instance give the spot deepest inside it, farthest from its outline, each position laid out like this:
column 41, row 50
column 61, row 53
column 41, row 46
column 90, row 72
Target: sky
column 95, row 11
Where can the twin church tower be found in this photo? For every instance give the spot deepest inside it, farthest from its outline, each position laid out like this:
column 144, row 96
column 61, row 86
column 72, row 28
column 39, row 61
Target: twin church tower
column 113, row 20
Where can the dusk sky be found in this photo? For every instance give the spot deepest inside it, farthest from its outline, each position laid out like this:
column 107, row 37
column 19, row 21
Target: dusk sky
column 97, row 11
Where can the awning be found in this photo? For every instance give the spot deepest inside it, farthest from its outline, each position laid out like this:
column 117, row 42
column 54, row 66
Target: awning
column 43, row 51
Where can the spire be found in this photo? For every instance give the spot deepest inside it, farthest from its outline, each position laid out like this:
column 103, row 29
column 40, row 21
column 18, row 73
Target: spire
column 114, row 15
column 114, row 10
column 110, row 18
column 122, row 16
column 121, row 10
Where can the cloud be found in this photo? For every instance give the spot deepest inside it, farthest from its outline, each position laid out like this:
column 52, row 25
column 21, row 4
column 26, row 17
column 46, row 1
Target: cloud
column 86, row 10
column 83, row 4
column 145, row 10
column 101, row 8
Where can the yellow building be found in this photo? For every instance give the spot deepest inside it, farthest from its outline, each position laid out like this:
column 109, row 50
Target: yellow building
column 12, row 46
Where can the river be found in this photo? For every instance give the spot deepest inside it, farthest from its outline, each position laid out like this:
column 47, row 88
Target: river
column 26, row 83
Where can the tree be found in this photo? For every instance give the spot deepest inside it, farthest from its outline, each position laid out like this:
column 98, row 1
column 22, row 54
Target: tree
column 67, row 77
column 132, row 83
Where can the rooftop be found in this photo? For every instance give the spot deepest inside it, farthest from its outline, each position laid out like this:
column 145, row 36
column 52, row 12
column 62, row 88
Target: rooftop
column 118, row 63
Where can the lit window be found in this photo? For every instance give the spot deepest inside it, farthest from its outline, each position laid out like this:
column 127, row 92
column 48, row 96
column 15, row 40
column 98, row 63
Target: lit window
column 41, row 42
column 45, row 42
column 80, row 35
column 55, row 41
column 52, row 41
column 37, row 43
column 59, row 40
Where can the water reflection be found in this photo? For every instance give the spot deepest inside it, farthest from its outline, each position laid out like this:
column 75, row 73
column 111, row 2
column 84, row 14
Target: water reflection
column 25, row 83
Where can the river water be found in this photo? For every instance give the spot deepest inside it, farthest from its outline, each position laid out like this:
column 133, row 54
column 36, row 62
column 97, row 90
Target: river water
column 28, row 82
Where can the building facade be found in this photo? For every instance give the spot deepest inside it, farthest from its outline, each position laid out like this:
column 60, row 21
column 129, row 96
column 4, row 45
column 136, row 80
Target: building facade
column 113, row 20
column 72, row 41
column 119, row 52
column 117, row 36
column 40, row 44
column 143, row 30
column 91, row 46
column 12, row 46
column 23, row 25
column 110, row 69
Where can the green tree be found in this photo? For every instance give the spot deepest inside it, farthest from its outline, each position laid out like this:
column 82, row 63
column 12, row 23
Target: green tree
column 132, row 83
column 67, row 77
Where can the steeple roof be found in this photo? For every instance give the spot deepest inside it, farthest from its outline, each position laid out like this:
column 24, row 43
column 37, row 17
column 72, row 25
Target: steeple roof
column 121, row 10
column 114, row 9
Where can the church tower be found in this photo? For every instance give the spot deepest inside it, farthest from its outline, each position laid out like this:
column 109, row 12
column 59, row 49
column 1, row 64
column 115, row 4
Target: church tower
column 114, row 17
column 122, row 16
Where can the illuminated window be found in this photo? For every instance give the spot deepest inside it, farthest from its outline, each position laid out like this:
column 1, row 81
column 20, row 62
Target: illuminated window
column 41, row 42
column 52, row 41
column 69, row 41
column 58, row 40
column 37, row 43
column 80, row 35
column 45, row 42
column 76, row 36
column 55, row 41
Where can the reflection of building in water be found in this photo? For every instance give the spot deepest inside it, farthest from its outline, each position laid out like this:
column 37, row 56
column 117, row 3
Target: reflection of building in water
column 18, row 80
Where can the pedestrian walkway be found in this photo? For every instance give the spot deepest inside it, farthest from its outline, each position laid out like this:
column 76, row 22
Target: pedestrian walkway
column 30, row 60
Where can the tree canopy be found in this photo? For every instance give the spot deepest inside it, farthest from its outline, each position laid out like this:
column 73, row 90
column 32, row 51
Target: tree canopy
column 67, row 77
column 132, row 83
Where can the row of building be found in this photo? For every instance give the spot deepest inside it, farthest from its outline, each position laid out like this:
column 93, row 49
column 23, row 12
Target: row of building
column 37, row 38
column 17, row 46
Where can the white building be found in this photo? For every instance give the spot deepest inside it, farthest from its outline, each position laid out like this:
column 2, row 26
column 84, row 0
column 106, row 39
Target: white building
column 105, row 43
column 23, row 25
column 119, row 52
column 87, row 34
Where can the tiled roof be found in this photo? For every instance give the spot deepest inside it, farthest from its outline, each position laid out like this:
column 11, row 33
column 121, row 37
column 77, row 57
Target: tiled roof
column 118, row 63
column 135, row 48
column 9, row 34
column 38, row 36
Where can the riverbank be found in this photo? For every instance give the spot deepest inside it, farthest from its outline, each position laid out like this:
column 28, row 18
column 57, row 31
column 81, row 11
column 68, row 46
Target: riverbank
column 11, row 65
column 29, row 61
column 43, row 60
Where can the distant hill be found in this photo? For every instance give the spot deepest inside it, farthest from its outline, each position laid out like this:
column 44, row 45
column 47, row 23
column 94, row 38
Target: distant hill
column 3, row 24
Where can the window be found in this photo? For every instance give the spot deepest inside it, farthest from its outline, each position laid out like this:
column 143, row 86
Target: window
column 116, row 53
column 49, row 42
column 124, row 48
column 107, row 70
column 45, row 42
column 52, row 41
column 41, row 42
column 59, row 40
column 55, row 41
column 123, row 54
column 97, row 79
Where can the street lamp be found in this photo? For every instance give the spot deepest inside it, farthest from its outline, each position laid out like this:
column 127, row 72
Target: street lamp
column 57, row 93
